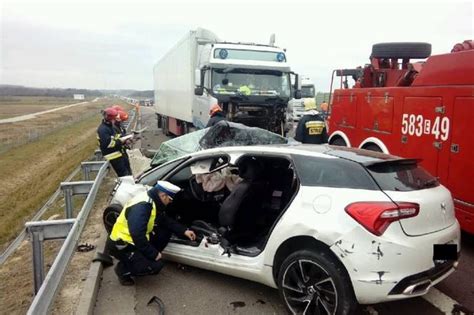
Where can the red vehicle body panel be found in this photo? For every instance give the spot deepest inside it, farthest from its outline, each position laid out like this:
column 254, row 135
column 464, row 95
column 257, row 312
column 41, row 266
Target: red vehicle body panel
column 430, row 119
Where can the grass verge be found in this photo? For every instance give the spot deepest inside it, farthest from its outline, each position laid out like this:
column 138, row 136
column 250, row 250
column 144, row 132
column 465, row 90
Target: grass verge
column 32, row 172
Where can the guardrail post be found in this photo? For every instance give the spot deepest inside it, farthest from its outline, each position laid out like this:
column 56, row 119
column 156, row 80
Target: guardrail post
column 69, row 207
column 70, row 229
column 88, row 167
column 38, row 259
column 74, row 188
column 41, row 231
column 98, row 155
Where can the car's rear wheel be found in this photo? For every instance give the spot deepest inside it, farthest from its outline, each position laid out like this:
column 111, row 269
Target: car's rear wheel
column 313, row 283
column 110, row 216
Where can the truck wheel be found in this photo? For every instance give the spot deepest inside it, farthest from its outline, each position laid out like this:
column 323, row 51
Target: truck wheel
column 185, row 128
column 164, row 124
column 401, row 50
column 313, row 283
column 339, row 142
column 158, row 121
column 110, row 215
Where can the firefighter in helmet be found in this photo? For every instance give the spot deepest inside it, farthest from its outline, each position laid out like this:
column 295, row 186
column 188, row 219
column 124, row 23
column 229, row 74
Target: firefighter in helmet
column 110, row 145
column 216, row 114
column 311, row 127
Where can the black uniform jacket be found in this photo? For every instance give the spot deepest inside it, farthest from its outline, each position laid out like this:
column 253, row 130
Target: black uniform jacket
column 106, row 134
column 311, row 129
column 215, row 119
column 137, row 218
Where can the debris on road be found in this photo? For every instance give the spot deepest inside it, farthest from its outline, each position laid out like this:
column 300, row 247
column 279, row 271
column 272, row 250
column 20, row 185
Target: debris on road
column 161, row 306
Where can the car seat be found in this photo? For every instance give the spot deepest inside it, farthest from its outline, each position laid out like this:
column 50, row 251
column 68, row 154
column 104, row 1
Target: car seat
column 240, row 209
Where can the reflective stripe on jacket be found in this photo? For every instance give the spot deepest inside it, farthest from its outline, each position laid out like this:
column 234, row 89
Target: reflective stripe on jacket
column 121, row 230
column 109, row 144
column 311, row 129
column 113, row 155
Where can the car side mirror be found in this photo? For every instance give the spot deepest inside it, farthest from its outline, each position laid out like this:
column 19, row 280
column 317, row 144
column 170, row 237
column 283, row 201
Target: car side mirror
column 199, row 91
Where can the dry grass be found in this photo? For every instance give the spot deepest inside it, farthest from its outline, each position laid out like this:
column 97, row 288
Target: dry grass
column 29, row 174
column 19, row 133
column 16, row 276
column 11, row 106
column 32, row 172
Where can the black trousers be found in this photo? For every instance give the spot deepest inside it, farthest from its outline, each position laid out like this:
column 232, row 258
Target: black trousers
column 132, row 262
column 121, row 166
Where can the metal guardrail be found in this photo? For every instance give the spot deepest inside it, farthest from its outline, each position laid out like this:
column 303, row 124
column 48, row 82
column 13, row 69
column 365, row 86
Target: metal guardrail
column 57, row 229
column 14, row 245
column 69, row 229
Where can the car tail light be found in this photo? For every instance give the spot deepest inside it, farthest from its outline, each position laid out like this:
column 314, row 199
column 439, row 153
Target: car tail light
column 377, row 216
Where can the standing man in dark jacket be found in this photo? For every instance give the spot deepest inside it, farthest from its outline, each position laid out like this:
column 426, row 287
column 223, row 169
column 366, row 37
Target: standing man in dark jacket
column 142, row 231
column 311, row 127
column 216, row 115
column 110, row 144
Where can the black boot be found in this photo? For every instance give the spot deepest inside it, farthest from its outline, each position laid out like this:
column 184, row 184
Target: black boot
column 123, row 277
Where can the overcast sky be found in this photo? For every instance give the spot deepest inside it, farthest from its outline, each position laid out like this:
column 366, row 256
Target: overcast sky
column 114, row 44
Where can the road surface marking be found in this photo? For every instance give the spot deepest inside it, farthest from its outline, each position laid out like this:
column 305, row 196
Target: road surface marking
column 440, row 300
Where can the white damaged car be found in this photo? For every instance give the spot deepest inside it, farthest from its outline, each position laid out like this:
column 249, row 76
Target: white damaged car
column 328, row 226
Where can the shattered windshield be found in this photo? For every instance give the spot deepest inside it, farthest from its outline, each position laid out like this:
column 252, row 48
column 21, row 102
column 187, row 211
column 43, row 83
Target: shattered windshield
column 223, row 134
column 231, row 81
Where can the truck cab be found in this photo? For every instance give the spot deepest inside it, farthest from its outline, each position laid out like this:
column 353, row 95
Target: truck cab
column 251, row 82
column 297, row 105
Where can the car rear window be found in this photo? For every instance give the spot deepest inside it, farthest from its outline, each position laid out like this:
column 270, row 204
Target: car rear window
column 332, row 172
column 402, row 175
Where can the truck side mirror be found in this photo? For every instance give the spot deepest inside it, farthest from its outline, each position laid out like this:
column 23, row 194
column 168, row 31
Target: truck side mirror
column 199, row 91
column 298, row 87
column 197, row 77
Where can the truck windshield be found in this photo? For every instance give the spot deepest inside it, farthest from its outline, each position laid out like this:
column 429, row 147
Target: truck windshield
column 250, row 82
column 307, row 91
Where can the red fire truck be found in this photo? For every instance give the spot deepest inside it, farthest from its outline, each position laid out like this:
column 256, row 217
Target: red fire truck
column 413, row 109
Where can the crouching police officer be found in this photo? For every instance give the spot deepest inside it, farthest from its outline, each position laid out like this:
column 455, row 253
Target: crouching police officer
column 311, row 127
column 142, row 231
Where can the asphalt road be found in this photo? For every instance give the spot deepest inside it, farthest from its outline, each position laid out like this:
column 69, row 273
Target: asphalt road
column 187, row 290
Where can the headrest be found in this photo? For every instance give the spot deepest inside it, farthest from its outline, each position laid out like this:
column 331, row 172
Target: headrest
column 250, row 169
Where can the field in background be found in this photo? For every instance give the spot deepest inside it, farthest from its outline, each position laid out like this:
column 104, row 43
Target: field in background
column 12, row 106
column 32, row 171
column 22, row 132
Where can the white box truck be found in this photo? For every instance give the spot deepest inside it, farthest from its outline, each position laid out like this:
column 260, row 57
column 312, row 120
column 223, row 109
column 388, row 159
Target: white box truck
column 296, row 106
column 251, row 82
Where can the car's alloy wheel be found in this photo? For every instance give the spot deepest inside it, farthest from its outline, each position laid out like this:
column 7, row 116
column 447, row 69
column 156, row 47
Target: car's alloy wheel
column 308, row 288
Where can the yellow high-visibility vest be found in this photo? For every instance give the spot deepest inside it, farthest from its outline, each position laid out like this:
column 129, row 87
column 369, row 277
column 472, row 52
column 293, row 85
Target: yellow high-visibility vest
column 120, row 231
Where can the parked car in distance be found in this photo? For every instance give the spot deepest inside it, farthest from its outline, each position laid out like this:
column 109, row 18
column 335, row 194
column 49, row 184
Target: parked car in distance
column 328, row 226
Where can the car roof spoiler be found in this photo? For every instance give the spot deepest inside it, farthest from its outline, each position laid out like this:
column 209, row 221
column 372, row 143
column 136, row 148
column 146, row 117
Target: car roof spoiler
column 391, row 161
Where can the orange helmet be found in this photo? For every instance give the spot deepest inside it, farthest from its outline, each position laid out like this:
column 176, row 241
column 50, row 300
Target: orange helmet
column 122, row 115
column 214, row 109
column 118, row 108
column 110, row 114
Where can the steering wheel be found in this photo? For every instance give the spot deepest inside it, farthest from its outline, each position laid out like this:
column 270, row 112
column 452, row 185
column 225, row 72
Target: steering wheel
column 196, row 190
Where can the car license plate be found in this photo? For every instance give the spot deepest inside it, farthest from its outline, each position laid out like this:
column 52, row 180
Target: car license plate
column 444, row 252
